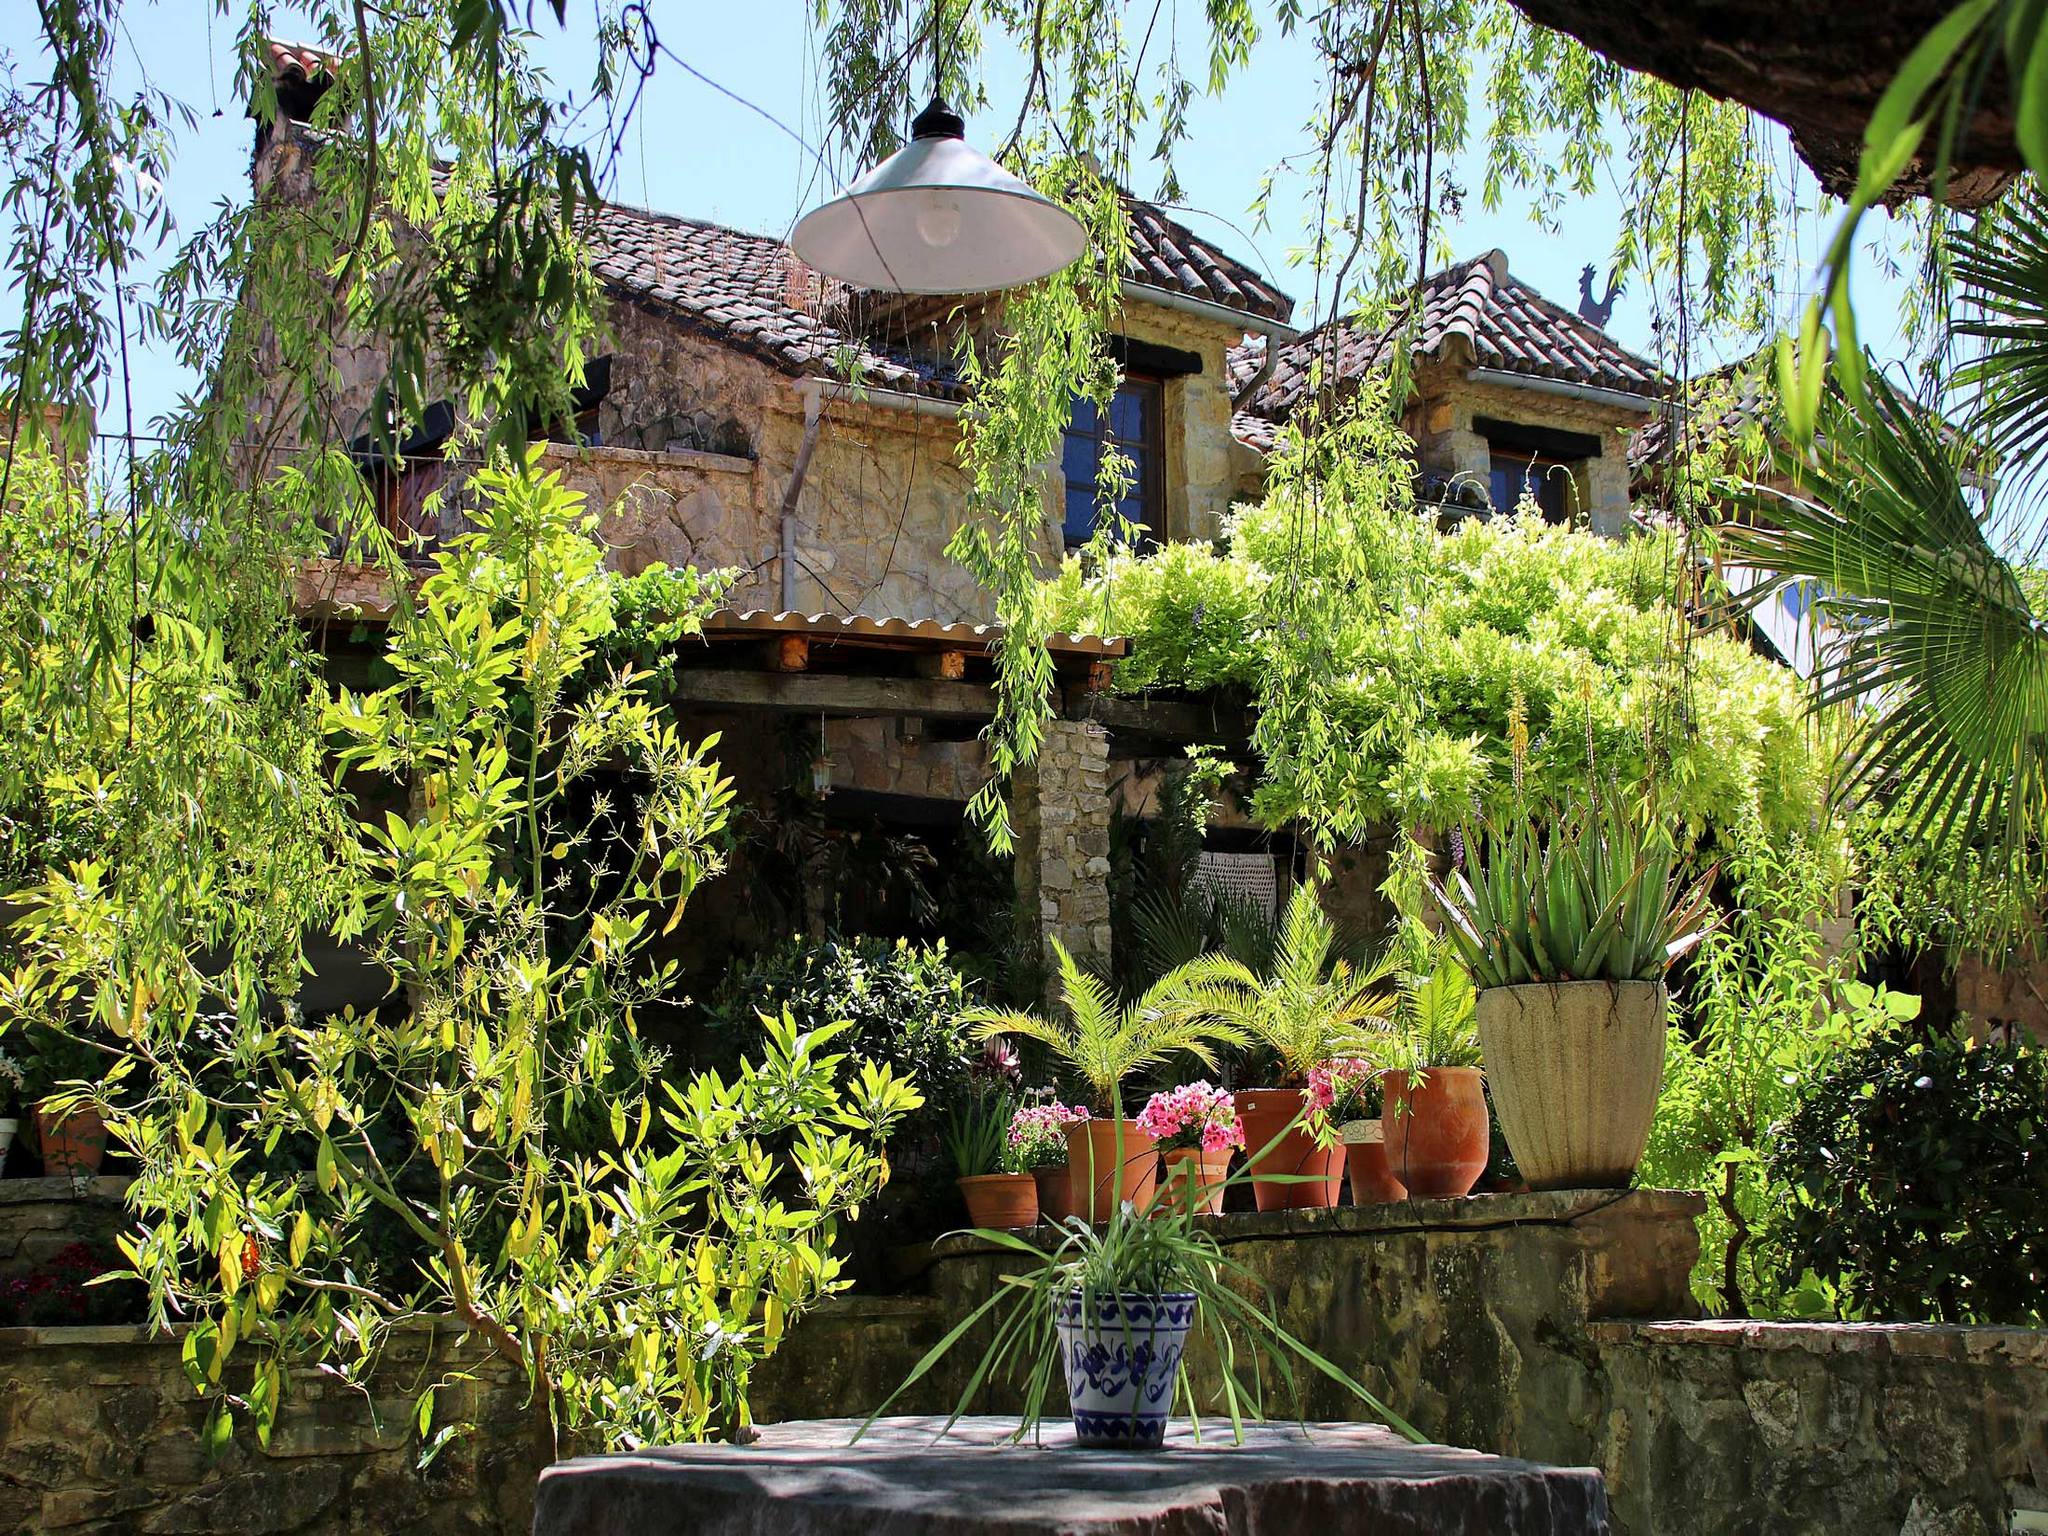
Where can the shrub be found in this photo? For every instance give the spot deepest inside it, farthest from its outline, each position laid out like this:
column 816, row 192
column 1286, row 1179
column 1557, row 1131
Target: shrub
column 1918, row 1187
column 903, row 1001
column 1386, row 656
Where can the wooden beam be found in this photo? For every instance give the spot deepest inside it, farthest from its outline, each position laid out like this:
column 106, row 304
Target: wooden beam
column 822, row 693
column 948, row 666
column 787, row 653
column 1178, row 720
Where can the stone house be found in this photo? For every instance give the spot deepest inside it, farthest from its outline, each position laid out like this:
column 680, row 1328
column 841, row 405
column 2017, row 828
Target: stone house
column 748, row 413
column 1509, row 394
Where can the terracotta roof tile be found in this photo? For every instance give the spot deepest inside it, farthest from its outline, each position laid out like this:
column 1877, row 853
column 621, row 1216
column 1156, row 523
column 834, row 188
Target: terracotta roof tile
column 1497, row 320
column 752, row 292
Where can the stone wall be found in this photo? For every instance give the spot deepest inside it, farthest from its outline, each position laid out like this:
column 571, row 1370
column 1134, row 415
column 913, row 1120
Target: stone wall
column 1447, row 442
column 40, row 1218
column 1800, row 1429
column 101, row 1434
column 1532, row 1325
column 1059, row 813
column 1468, row 1317
column 2014, row 995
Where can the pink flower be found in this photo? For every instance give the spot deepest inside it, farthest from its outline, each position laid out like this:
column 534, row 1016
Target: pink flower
column 1194, row 1114
column 1345, row 1089
column 1039, row 1132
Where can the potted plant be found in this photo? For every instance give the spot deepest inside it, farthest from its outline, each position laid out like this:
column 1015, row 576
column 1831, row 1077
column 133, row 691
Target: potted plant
column 1313, row 1008
column 1109, row 1158
column 1197, row 1128
column 998, row 1192
column 70, row 1135
column 1113, row 1308
column 1038, row 1141
column 1348, row 1093
column 11, row 1080
column 1569, row 938
column 1433, row 1096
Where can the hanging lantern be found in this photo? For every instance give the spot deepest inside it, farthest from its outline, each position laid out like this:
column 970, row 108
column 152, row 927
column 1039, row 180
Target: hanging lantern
column 938, row 217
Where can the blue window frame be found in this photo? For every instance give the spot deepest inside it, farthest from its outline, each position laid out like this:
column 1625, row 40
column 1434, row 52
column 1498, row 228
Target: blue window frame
column 1134, row 426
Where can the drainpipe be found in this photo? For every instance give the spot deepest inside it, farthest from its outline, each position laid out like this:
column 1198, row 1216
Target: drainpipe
column 814, row 418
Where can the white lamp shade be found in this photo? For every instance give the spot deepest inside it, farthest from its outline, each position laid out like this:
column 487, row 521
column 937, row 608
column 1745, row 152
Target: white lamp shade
column 938, row 217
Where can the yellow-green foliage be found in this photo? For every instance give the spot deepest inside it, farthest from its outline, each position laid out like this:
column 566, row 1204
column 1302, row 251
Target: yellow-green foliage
column 1386, row 656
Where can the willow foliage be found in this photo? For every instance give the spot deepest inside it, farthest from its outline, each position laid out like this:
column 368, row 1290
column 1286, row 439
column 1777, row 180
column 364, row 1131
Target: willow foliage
column 1390, row 662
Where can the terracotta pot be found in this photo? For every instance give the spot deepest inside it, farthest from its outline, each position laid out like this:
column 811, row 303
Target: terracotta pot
column 1098, row 1183
column 74, row 1145
column 1265, row 1113
column 1207, row 1170
column 1001, row 1199
column 1055, row 1193
column 1436, row 1134
column 1575, row 1068
column 1365, row 1159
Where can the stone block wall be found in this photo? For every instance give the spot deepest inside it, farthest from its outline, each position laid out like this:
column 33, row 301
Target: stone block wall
column 1551, row 1326
column 40, row 1218
column 100, row 1433
column 1448, row 443
column 1468, row 1317
column 1059, row 813
column 1801, row 1429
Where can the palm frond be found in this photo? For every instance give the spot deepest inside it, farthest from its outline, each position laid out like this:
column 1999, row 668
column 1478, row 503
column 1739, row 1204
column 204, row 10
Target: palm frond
column 1928, row 632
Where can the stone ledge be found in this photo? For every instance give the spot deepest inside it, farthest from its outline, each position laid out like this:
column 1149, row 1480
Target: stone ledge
column 63, row 1187
column 805, row 1479
column 1474, row 1213
column 1965, row 1345
column 681, row 458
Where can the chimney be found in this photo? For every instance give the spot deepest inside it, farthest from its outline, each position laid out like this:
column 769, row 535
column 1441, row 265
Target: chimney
column 299, row 75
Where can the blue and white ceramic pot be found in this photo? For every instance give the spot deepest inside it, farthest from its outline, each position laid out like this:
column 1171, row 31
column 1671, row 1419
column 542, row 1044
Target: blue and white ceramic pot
column 1122, row 1356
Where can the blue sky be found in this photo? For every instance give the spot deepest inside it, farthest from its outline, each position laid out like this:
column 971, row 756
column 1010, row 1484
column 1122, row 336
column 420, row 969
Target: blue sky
column 694, row 150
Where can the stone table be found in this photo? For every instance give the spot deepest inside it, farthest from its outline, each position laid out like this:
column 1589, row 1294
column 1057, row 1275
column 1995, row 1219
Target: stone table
column 802, row 1479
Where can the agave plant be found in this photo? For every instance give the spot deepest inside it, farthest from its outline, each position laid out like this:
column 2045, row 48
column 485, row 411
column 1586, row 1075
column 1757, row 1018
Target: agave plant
column 1311, row 1007
column 1598, row 900
column 1105, row 1044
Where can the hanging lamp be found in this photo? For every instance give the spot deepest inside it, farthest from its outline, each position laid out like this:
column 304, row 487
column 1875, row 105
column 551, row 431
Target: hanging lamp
column 938, row 217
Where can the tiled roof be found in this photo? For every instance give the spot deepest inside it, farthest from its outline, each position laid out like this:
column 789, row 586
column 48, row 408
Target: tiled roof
column 1492, row 318
column 752, row 292
column 1727, row 402
column 1735, row 394
column 1167, row 254
column 749, row 291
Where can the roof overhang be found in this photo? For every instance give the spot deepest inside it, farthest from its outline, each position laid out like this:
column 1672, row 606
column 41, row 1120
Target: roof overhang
column 1590, row 394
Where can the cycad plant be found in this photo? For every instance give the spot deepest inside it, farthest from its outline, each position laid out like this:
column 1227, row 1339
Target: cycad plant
column 1313, row 1005
column 1104, row 1044
column 1434, row 1026
column 1599, row 899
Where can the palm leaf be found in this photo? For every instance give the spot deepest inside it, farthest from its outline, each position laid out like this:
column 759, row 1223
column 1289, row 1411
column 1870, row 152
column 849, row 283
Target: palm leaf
column 1931, row 634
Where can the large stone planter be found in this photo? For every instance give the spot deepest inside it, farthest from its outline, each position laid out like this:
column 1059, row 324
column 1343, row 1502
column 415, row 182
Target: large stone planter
column 1575, row 1067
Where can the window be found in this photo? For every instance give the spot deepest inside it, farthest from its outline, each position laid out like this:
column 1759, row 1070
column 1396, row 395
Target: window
column 1544, row 461
column 403, row 474
column 1549, row 481
column 584, row 400
column 1134, row 426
